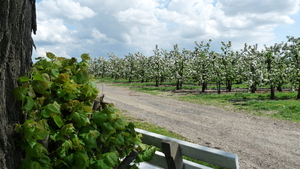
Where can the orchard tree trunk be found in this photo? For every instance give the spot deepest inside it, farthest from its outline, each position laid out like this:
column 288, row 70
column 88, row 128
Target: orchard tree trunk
column 204, row 86
column 17, row 20
column 272, row 95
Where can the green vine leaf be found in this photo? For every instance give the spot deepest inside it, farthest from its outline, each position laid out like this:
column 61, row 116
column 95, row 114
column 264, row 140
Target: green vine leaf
column 80, row 118
column 111, row 159
column 20, row 93
column 62, row 151
column 55, row 72
column 67, row 129
column 23, row 79
column 100, row 164
column 99, row 117
column 63, row 78
column 53, row 108
column 35, row 165
column 39, row 77
column 29, row 128
column 81, row 160
column 31, row 92
column 50, row 55
column 41, row 132
column 58, row 121
column 85, row 57
column 37, row 151
column 90, row 138
column 29, row 103
column 57, row 99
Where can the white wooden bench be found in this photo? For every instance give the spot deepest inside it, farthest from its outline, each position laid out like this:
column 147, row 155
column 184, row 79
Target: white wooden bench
column 174, row 149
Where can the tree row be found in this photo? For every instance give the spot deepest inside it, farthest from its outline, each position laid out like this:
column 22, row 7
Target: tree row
column 274, row 66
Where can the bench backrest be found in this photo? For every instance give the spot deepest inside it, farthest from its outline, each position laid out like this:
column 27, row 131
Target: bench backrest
column 194, row 151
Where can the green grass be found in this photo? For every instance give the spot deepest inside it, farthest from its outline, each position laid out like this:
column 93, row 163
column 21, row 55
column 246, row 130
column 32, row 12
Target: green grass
column 285, row 106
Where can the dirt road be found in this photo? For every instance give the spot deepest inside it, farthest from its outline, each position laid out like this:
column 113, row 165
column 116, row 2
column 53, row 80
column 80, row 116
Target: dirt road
column 260, row 142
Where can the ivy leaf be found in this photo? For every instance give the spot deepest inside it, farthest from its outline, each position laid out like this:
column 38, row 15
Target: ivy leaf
column 61, row 92
column 37, row 151
column 108, row 127
column 29, row 128
column 45, row 113
column 35, row 165
column 50, row 55
column 80, row 118
column 111, row 159
column 31, row 142
column 90, row 138
column 69, row 158
column 147, row 154
column 63, row 149
column 39, row 77
column 85, row 56
column 119, row 124
column 29, row 103
column 41, row 87
column 81, row 160
column 31, row 92
column 85, row 76
column 53, row 108
column 70, row 87
column 63, row 78
column 23, row 79
column 119, row 140
column 40, row 132
column 55, row 72
column 67, row 129
column 100, row 164
column 78, row 77
column 58, row 121
column 99, row 117
column 20, row 93
column 45, row 160
column 69, row 96
column 109, row 110
column 56, row 64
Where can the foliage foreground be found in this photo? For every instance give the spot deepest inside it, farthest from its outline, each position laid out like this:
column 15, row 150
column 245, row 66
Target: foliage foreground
column 61, row 130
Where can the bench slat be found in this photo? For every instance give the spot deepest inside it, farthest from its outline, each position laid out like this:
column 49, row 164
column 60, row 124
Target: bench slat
column 195, row 151
column 160, row 161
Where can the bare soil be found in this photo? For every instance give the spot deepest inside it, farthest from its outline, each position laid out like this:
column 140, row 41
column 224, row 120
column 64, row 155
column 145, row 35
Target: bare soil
column 260, row 142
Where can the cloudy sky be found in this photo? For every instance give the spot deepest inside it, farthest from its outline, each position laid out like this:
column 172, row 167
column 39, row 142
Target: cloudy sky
column 69, row 28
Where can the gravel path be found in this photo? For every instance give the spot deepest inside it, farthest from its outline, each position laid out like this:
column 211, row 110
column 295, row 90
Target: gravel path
column 260, row 142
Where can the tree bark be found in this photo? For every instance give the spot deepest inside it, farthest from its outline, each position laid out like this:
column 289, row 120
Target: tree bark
column 17, row 21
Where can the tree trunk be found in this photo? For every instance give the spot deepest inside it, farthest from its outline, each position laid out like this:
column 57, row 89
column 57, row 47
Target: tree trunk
column 298, row 95
column 16, row 23
column 219, row 87
column 279, row 88
column 204, row 86
column 253, row 88
column 228, row 85
column 272, row 96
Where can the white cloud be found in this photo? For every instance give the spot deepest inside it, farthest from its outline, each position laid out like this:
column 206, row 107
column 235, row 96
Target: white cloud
column 52, row 31
column 99, row 27
column 66, row 8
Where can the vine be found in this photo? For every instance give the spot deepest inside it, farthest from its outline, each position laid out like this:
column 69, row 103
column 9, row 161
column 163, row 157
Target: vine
column 61, row 128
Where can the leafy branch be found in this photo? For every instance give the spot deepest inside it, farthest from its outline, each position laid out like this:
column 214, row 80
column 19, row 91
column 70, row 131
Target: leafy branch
column 61, row 129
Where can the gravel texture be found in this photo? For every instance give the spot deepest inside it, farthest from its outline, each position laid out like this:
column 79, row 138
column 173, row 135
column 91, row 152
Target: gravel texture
column 260, row 142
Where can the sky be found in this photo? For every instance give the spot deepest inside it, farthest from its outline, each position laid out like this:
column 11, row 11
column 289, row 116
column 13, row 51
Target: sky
column 69, row 28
